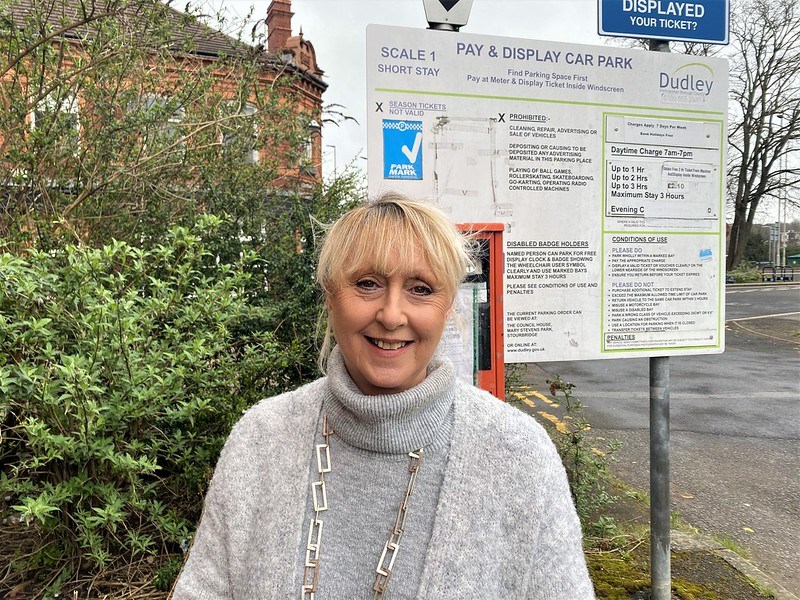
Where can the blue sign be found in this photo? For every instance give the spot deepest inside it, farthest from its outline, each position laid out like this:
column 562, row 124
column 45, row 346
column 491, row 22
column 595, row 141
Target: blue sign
column 704, row 21
column 402, row 149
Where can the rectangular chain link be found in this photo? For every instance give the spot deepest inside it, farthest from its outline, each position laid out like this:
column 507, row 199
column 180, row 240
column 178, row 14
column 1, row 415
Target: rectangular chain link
column 320, row 500
column 327, row 467
column 400, row 520
column 319, row 494
column 314, row 542
column 386, row 562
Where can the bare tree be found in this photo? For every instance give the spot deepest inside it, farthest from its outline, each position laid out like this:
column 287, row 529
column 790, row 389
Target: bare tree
column 764, row 124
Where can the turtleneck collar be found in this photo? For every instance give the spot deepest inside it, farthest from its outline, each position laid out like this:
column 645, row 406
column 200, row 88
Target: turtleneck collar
column 390, row 423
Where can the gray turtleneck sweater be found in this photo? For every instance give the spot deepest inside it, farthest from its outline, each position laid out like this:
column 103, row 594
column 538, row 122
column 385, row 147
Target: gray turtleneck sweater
column 490, row 516
column 368, row 479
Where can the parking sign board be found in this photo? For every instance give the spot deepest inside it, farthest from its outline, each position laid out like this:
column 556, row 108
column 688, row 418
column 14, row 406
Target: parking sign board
column 704, row 21
column 605, row 166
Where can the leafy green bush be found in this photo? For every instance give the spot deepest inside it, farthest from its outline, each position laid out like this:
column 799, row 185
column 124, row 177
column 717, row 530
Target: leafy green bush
column 746, row 272
column 121, row 373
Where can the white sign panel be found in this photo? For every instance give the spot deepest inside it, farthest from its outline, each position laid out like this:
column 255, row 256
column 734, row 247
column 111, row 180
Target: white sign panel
column 605, row 165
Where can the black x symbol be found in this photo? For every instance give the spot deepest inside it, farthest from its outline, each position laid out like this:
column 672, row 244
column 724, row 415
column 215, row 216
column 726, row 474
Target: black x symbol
column 379, row 107
column 501, row 117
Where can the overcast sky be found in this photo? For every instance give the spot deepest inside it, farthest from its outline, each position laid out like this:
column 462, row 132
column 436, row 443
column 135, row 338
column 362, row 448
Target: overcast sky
column 337, row 29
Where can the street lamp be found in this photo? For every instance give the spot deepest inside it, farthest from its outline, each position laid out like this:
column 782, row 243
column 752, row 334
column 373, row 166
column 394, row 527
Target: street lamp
column 784, row 195
column 782, row 199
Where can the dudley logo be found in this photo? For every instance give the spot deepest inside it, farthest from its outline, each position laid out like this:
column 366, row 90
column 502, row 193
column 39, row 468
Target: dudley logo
column 695, row 79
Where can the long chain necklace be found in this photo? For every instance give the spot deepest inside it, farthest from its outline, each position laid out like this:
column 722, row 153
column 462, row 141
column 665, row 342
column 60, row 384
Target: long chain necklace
column 319, row 494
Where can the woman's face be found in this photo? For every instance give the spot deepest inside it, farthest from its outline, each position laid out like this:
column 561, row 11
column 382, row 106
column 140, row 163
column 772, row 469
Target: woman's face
column 388, row 327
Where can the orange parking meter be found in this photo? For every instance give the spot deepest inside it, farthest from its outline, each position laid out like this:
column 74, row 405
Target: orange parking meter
column 489, row 326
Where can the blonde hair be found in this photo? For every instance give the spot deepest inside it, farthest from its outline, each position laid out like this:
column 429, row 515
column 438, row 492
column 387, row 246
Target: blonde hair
column 376, row 233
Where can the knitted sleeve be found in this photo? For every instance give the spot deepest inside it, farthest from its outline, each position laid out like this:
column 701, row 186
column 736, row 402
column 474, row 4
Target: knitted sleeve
column 505, row 526
column 530, row 484
column 206, row 575
column 247, row 540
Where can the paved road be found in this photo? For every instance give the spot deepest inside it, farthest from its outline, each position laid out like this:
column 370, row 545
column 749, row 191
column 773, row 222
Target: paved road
column 735, row 424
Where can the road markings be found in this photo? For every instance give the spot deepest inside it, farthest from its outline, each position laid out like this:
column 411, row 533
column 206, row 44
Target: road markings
column 525, row 391
column 560, row 425
column 523, row 394
column 544, row 398
column 766, row 335
column 776, row 315
column 523, row 398
column 763, row 289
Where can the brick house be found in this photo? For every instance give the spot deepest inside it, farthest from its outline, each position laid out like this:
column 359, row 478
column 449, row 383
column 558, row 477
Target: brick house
column 299, row 55
column 195, row 46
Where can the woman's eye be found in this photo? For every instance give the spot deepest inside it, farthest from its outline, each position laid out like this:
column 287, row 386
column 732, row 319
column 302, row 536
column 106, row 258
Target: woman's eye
column 421, row 290
column 366, row 284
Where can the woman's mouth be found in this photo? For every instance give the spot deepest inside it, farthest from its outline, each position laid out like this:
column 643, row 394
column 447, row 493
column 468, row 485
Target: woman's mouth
column 385, row 345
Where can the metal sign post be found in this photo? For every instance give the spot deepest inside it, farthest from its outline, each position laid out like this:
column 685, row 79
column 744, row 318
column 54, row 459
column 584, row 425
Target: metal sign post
column 660, row 572
column 660, row 565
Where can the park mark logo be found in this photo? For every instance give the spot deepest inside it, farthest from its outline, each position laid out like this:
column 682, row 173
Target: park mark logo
column 402, row 149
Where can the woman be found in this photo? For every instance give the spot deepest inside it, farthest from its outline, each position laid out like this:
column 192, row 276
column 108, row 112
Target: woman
column 388, row 477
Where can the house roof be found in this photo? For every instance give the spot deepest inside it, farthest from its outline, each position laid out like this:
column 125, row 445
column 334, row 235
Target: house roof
column 207, row 42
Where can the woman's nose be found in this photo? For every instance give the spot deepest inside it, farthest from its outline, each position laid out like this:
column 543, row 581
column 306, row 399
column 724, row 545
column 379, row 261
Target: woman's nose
column 392, row 313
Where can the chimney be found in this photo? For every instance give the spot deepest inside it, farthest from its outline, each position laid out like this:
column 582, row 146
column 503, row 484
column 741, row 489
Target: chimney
column 279, row 25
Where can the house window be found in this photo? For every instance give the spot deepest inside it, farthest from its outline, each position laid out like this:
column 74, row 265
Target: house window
column 307, row 164
column 58, row 119
column 241, row 137
column 161, row 119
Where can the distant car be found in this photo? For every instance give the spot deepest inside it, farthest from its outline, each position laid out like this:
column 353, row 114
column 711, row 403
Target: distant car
column 729, row 279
